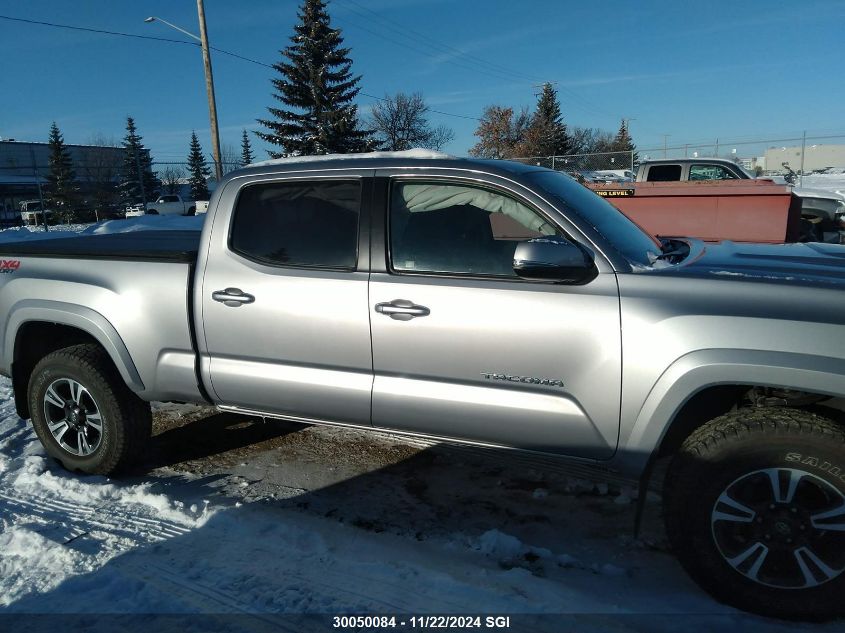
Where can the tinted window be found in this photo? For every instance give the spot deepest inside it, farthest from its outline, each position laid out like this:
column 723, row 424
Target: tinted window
column 664, row 173
column 298, row 223
column 170, row 199
column 710, row 172
column 449, row 228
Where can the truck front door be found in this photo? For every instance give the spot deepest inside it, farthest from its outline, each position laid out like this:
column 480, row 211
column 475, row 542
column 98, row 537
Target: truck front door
column 283, row 304
column 463, row 348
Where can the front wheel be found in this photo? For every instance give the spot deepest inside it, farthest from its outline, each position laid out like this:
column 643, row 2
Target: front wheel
column 755, row 511
column 84, row 414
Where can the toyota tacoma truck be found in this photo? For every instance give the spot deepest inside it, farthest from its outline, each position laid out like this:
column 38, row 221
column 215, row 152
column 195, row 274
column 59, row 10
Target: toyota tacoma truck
column 484, row 302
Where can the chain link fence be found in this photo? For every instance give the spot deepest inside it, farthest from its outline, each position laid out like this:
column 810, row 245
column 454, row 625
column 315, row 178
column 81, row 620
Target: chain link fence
column 794, row 157
column 802, row 155
column 612, row 165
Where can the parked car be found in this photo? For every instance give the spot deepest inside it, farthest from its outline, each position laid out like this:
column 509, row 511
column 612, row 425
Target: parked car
column 135, row 210
column 483, row 302
column 33, row 214
column 171, row 205
column 823, row 211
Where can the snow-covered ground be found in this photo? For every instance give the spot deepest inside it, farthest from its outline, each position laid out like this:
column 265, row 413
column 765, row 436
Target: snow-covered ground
column 334, row 522
column 828, row 182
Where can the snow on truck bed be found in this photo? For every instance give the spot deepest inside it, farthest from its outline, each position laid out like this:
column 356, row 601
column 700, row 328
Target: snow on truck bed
column 159, row 238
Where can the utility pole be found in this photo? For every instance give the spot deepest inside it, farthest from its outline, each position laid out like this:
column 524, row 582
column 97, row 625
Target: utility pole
column 717, row 148
column 803, row 150
column 209, row 82
column 209, row 86
column 141, row 178
column 40, row 194
column 665, row 148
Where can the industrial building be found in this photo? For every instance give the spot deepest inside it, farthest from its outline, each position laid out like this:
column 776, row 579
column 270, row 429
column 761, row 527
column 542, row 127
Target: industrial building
column 25, row 165
column 816, row 157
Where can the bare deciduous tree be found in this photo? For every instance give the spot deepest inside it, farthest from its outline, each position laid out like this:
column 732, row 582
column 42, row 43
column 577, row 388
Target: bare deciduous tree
column 501, row 132
column 401, row 122
column 230, row 156
column 171, row 177
column 101, row 171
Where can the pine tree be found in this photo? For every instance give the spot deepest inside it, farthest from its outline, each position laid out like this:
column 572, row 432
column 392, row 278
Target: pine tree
column 549, row 130
column 623, row 142
column 198, row 170
column 247, row 156
column 137, row 168
column 317, row 88
column 61, row 181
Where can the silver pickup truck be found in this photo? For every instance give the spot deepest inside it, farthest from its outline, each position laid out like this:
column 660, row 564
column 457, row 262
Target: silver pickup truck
column 484, row 302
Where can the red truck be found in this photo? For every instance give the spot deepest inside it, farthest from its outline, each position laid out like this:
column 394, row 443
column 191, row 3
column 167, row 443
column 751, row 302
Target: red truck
column 714, row 204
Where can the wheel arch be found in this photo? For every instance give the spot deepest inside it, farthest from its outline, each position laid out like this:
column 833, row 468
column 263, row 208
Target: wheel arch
column 36, row 328
column 708, row 383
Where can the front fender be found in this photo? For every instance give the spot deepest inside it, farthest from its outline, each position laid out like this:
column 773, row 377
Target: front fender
column 85, row 319
column 701, row 369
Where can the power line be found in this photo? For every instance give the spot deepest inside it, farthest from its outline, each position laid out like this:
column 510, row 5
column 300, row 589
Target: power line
column 176, row 41
column 493, row 70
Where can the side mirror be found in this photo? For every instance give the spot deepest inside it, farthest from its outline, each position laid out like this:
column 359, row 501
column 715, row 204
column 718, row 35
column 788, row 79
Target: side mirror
column 553, row 258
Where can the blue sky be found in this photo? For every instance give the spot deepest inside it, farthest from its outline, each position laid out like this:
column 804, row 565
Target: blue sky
column 693, row 70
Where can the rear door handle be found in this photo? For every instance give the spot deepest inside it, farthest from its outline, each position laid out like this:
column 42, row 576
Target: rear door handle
column 402, row 310
column 232, row 297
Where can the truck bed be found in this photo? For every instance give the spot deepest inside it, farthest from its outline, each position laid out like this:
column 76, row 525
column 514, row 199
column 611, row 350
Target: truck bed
column 159, row 246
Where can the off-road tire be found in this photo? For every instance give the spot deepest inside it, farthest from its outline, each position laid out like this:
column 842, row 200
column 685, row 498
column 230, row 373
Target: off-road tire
column 126, row 419
column 725, row 450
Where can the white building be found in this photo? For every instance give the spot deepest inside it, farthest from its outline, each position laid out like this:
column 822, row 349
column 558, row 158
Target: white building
column 816, row 157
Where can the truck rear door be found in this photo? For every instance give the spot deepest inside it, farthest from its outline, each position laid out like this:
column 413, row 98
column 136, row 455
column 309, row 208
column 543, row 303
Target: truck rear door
column 284, row 326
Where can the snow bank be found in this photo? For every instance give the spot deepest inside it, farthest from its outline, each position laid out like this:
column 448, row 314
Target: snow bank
column 148, row 223
column 143, row 223
column 23, row 233
column 834, row 182
column 410, row 153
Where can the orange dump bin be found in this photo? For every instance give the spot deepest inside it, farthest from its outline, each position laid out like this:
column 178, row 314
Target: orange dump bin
column 739, row 210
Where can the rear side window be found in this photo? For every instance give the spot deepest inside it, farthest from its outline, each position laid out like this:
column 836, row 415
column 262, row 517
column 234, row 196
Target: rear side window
column 307, row 224
column 710, row 172
column 664, row 173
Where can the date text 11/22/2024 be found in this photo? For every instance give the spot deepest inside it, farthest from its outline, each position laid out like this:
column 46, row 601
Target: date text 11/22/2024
column 421, row 622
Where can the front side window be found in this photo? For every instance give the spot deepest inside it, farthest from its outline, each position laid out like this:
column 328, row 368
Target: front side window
column 451, row 228
column 308, row 224
column 710, row 172
column 664, row 173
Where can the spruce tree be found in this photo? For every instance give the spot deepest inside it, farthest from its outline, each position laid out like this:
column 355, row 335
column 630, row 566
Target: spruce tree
column 623, row 142
column 247, row 156
column 61, row 181
column 548, row 126
column 316, row 88
column 137, row 167
column 198, row 170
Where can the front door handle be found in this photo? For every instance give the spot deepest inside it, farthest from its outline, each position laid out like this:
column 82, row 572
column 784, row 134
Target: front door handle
column 232, row 297
column 402, row 310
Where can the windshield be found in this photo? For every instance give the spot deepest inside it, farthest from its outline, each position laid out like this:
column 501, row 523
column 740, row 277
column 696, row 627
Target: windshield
column 628, row 238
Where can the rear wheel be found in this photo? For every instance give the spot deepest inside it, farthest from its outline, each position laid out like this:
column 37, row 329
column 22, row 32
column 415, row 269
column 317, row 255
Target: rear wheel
column 84, row 414
column 755, row 511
